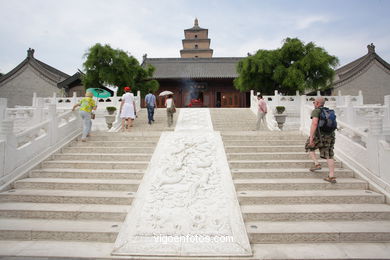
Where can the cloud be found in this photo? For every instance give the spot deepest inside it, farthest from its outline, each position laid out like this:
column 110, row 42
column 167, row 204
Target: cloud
column 306, row 22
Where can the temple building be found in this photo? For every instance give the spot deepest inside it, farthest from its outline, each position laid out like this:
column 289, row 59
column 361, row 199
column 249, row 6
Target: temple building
column 31, row 75
column 198, row 79
column 370, row 74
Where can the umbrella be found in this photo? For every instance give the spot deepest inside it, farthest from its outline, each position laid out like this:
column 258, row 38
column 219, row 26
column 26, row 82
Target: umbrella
column 165, row 93
column 99, row 92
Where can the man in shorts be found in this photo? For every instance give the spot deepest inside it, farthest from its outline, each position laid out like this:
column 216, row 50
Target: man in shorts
column 322, row 141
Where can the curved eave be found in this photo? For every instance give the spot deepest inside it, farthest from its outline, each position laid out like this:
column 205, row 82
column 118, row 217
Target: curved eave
column 343, row 77
column 14, row 71
column 47, row 71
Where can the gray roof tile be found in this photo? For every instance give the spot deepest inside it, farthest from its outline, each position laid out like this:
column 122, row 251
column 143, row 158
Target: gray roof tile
column 167, row 68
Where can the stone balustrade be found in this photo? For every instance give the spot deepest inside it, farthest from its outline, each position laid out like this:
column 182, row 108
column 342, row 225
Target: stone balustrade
column 22, row 151
column 363, row 135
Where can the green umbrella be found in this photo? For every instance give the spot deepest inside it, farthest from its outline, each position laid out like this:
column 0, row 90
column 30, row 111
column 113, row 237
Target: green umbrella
column 99, row 92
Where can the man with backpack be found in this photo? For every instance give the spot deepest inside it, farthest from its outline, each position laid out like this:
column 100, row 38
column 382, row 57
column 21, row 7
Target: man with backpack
column 322, row 137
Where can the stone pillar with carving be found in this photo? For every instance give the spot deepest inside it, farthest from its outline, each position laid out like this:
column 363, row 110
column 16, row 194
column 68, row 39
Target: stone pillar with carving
column 3, row 108
column 349, row 117
column 360, row 98
column 54, row 98
column 53, row 128
column 302, row 114
column 374, row 136
column 386, row 115
column 7, row 147
column 74, row 98
column 39, row 113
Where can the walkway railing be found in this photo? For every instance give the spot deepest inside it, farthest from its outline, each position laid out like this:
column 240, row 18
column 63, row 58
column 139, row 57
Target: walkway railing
column 20, row 152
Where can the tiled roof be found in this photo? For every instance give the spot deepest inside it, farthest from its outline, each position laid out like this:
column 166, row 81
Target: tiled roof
column 348, row 71
column 46, row 70
column 177, row 68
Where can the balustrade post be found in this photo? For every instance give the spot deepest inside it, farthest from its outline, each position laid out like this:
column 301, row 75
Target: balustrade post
column 53, row 125
column 360, row 98
column 3, row 108
column 7, row 147
column 34, row 100
column 374, row 136
column 74, row 99
column 139, row 101
column 38, row 115
column 339, row 99
column 54, row 98
column 318, row 93
column 386, row 115
column 302, row 119
column 349, row 116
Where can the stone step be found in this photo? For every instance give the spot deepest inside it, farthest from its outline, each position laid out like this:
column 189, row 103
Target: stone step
column 87, row 173
column 149, row 134
column 103, row 156
column 299, row 184
column 95, row 164
column 63, row 211
column 268, row 156
column 43, row 249
column 334, row 251
column 42, row 229
column 310, row 197
column 259, row 149
column 316, row 212
column 264, row 143
column 269, row 164
column 328, row 231
column 288, row 173
column 77, row 184
column 264, row 137
column 125, row 137
column 123, row 149
column 68, row 196
column 114, row 144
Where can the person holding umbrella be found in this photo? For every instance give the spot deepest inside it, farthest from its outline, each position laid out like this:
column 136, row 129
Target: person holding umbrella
column 87, row 104
column 127, row 109
column 171, row 109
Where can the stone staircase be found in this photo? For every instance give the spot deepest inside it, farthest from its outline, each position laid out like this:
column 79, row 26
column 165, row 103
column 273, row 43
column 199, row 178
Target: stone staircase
column 291, row 213
column 74, row 204
column 80, row 195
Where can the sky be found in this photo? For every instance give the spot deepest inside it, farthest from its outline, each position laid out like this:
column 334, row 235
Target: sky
column 62, row 31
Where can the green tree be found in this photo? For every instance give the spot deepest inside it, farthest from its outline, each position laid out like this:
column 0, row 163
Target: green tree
column 294, row 66
column 107, row 66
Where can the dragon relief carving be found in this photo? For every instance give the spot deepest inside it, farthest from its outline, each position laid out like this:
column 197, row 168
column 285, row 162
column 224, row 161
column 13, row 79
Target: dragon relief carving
column 186, row 196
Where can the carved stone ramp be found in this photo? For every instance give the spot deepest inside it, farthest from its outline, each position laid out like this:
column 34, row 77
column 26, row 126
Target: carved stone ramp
column 186, row 204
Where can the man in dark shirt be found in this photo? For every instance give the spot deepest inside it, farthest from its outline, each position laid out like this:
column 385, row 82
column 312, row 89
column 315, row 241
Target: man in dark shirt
column 150, row 101
column 322, row 141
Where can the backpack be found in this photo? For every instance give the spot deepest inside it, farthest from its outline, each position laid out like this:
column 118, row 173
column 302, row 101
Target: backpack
column 327, row 121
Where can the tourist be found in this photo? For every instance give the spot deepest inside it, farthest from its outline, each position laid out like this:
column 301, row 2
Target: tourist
column 150, row 101
column 86, row 104
column 261, row 112
column 171, row 109
column 321, row 140
column 127, row 109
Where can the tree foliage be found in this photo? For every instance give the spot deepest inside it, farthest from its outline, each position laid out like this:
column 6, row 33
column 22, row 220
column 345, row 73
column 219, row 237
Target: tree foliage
column 107, row 66
column 294, row 66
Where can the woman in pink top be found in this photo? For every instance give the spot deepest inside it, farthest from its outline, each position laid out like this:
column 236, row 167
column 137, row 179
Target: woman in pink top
column 261, row 112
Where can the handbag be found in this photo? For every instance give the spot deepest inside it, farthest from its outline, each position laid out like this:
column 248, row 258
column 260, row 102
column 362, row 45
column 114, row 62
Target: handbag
column 92, row 115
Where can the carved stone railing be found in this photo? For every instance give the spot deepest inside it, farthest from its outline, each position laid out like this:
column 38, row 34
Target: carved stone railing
column 22, row 151
column 26, row 117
